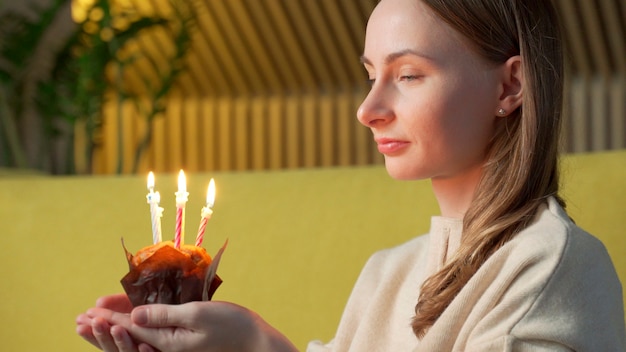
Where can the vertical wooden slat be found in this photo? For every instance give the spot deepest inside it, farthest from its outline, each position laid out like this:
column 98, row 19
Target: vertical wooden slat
column 273, row 49
column 258, row 131
column 615, row 33
column 209, row 135
column 225, row 141
column 293, row 127
column 327, row 131
column 128, row 137
column 617, row 94
column 287, row 64
column 260, row 65
column 566, row 125
column 140, row 127
column 345, row 45
column 345, row 126
column 579, row 113
column 275, row 132
column 110, row 126
column 310, row 129
column 191, row 128
column 315, row 54
column 174, row 135
column 327, row 41
column 593, row 30
column 242, row 134
column 575, row 32
column 362, row 135
column 599, row 113
column 228, row 43
column 158, row 155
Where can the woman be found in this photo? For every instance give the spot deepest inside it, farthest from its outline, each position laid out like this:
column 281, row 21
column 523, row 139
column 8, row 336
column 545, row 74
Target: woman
column 467, row 94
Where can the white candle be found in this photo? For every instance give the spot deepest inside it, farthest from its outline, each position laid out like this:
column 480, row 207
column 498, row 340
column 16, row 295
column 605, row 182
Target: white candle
column 156, row 212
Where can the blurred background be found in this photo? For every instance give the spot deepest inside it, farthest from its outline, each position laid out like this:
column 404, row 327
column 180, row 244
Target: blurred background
column 127, row 86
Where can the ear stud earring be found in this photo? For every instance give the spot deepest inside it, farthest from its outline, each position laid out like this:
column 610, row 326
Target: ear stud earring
column 501, row 112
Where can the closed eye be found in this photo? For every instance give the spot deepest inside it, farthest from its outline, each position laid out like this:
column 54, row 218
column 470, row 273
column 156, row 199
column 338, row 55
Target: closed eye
column 410, row 78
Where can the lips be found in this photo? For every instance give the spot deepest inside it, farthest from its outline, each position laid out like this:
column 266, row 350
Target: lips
column 389, row 146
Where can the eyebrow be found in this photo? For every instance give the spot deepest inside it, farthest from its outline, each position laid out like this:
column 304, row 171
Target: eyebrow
column 396, row 55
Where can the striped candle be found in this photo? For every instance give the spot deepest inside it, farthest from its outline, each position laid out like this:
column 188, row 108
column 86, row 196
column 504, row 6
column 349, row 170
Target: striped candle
column 181, row 200
column 206, row 212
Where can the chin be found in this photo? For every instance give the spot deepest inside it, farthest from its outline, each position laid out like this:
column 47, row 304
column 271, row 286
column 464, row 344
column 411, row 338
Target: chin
column 403, row 171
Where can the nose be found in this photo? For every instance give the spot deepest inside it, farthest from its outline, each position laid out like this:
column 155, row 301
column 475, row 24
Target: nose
column 375, row 110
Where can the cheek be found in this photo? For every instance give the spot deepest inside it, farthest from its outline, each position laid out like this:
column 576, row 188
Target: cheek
column 452, row 124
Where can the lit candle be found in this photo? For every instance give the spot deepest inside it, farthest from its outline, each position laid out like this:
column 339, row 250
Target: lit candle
column 206, row 212
column 156, row 212
column 181, row 200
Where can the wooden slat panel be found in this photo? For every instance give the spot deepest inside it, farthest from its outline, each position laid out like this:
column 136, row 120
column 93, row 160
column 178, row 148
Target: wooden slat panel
column 615, row 33
column 327, row 41
column 259, row 131
column 310, row 130
column 174, row 136
column 287, row 65
column 225, row 143
column 262, row 70
column 273, row 49
column 191, row 135
column 327, row 123
column 617, row 94
column 593, row 31
column 599, row 113
column 231, row 48
column 293, row 128
column 362, row 136
column 315, row 60
column 275, row 135
column 571, row 20
column 579, row 113
column 109, row 131
column 344, row 118
column 242, row 134
column 158, row 151
column 344, row 44
column 209, row 135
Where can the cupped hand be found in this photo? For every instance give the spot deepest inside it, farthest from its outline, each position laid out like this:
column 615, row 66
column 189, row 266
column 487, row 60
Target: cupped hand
column 195, row 327
column 100, row 333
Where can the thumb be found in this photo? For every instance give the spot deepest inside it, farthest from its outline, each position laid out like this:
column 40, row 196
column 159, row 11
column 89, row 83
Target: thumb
column 159, row 316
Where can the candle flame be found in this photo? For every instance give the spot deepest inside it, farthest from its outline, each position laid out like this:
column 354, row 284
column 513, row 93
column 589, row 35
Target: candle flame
column 210, row 194
column 182, row 185
column 150, row 180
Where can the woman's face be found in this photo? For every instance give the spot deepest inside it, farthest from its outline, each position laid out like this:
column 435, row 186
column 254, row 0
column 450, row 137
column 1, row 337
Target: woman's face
column 432, row 103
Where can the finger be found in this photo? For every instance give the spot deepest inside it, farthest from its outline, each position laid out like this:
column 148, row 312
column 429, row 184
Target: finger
column 161, row 315
column 118, row 303
column 122, row 339
column 83, row 319
column 146, row 348
column 102, row 332
column 112, row 317
column 85, row 331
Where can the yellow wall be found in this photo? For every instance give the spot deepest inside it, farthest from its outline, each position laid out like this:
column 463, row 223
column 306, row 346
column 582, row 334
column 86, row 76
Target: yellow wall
column 297, row 239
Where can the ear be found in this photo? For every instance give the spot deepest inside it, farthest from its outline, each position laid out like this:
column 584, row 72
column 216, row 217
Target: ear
column 511, row 90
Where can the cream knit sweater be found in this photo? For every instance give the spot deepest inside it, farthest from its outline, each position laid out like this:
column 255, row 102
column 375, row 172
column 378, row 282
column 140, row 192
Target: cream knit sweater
column 552, row 288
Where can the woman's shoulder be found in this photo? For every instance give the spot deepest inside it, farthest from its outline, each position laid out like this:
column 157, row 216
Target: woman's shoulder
column 554, row 235
column 569, row 278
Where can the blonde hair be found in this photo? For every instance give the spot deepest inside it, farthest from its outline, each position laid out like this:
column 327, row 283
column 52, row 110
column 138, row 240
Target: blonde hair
column 522, row 166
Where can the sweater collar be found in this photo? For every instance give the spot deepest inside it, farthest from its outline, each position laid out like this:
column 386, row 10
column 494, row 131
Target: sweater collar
column 445, row 240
